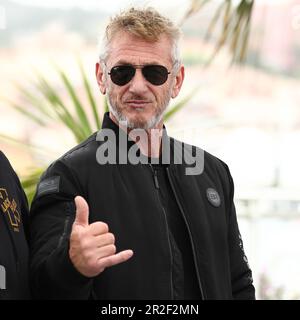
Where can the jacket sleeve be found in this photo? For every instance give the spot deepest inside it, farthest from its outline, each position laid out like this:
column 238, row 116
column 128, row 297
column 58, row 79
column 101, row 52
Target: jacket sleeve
column 241, row 274
column 24, row 207
column 5, row 165
column 53, row 275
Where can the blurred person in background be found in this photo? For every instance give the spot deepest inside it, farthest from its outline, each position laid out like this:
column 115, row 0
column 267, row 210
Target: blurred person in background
column 14, row 278
column 177, row 234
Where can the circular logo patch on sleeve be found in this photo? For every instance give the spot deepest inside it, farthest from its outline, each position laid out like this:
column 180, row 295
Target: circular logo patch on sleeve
column 213, row 197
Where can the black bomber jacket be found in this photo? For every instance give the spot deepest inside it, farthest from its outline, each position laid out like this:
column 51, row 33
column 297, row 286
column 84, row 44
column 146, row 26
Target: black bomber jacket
column 14, row 253
column 125, row 197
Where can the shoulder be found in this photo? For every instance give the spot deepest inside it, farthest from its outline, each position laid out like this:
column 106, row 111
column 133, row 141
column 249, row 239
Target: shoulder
column 64, row 175
column 208, row 164
column 192, row 153
column 83, row 151
column 4, row 163
column 10, row 180
column 6, row 168
column 214, row 163
column 81, row 154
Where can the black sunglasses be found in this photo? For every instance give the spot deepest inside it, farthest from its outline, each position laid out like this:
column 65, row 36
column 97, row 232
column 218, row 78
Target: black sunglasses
column 155, row 74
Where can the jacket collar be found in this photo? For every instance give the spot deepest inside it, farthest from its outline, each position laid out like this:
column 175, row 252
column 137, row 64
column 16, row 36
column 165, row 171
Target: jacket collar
column 121, row 135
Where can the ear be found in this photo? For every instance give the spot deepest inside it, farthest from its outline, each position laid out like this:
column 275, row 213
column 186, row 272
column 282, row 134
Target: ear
column 100, row 78
column 178, row 82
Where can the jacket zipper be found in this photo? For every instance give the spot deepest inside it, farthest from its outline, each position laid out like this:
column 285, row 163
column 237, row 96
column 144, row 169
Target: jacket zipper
column 156, row 184
column 189, row 232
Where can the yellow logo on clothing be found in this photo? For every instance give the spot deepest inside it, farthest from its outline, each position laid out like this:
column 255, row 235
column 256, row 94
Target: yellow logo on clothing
column 9, row 207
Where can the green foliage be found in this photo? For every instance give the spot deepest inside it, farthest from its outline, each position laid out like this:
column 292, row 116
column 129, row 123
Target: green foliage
column 47, row 105
column 235, row 21
column 82, row 119
column 29, row 182
column 178, row 106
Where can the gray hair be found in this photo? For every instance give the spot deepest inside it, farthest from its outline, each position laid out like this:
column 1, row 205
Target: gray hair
column 145, row 23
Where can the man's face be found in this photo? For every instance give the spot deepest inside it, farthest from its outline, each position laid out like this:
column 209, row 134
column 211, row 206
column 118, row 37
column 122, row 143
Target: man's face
column 139, row 103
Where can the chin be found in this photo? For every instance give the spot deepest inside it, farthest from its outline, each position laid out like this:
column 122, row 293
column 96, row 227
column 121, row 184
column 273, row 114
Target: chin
column 143, row 123
column 134, row 123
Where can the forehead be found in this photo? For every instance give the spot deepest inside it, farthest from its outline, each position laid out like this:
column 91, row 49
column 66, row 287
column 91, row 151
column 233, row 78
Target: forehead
column 134, row 50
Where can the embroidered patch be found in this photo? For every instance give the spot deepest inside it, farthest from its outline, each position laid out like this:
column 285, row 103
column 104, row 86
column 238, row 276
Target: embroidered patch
column 9, row 207
column 48, row 186
column 213, row 197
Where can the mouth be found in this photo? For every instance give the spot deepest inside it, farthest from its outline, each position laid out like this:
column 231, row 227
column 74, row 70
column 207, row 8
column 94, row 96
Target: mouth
column 137, row 104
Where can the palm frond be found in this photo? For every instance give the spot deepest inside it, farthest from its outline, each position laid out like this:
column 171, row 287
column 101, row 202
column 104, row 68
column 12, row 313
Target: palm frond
column 31, row 115
column 235, row 29
column 179, row 105
column 26, row 146
column 30, row 182
column 61, row 110
column 90, row 96
column 48, row 104
column 81, row 114
column 194, row 7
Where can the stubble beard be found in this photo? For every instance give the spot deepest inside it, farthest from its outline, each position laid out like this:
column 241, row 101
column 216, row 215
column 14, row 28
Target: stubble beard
column 151, row 123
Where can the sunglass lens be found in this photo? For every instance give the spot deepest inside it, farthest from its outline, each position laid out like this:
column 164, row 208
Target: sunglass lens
column 157, row 75
column 121, row 75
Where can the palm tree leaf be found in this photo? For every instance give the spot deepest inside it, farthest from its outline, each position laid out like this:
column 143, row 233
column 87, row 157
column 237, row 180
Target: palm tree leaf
column 30, row 182
column 82, row 117
column 35, row 100
column 60, row 109
column 234, row 31
column 25, row 145
column 244, row 47
column 214, row 20
column 178, row 106
column 90, row 96
column 195, row 6
column 28, row 114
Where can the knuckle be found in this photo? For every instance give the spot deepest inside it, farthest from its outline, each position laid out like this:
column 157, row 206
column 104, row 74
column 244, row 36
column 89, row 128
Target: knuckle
column 113, row 248
column 112, row 237
column 100, row 226
column 75, row 233
column 77, row 236
column 105, row 227
column 87, row 256
column 84, row 244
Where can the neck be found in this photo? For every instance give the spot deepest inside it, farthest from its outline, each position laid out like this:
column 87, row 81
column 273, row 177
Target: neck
column 148, row 141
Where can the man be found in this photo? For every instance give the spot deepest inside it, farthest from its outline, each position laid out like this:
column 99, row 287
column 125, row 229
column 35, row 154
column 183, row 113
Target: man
column 105, row 226
column 14, row 284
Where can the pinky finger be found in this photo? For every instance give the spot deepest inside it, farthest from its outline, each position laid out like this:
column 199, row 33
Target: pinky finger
column 115, row 259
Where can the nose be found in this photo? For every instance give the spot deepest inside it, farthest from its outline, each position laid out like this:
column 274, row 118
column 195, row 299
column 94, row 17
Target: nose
column 138, row 83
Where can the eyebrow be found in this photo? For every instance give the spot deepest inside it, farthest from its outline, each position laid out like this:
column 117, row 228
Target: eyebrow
column 124, row 62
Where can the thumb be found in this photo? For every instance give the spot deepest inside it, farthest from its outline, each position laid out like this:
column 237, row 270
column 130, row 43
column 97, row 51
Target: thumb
column 82, row 211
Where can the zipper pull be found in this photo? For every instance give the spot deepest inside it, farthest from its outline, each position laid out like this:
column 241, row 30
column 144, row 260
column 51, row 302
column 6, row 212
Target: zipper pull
column 156, row 180
column 154, row 177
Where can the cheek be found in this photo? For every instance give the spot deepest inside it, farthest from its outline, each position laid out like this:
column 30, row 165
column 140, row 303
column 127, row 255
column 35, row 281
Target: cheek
column 115, row 93
column 165, row 94
column 158, row 94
